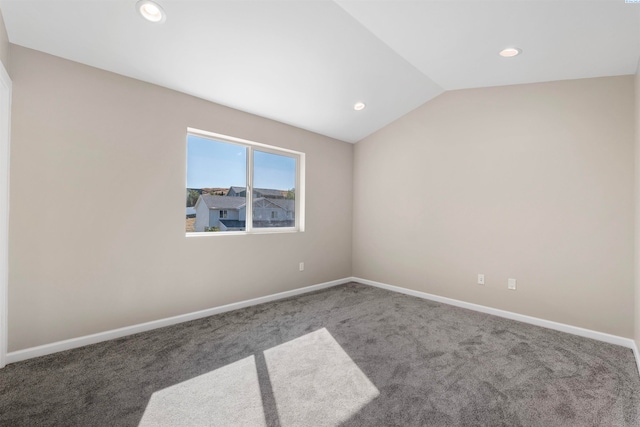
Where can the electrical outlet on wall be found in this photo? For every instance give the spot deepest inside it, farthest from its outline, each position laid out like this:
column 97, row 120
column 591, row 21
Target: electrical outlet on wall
column 511, row 284
column 302, row 266
column 480, row 279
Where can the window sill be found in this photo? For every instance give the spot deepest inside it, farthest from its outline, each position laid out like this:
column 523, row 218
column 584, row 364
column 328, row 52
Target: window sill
column 243, row 233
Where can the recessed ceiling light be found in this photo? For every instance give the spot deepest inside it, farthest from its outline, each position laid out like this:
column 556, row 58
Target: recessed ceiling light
column 151, row 11
column 359, row 106
column 510, row 51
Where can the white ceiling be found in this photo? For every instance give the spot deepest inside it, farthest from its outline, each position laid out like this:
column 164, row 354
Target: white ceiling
column 306, row 63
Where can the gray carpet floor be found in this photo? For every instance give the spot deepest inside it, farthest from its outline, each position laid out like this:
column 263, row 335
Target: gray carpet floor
column 350, row 355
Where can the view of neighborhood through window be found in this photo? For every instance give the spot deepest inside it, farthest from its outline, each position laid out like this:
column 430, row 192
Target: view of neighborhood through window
column 217, row 177
column 274, row 193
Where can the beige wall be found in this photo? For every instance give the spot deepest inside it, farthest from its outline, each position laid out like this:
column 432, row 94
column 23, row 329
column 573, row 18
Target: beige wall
column 533, row 182
column 4, row 43
column 97, row 235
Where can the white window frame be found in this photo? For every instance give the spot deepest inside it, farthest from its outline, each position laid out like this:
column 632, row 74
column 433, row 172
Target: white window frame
column 223, row 214
column 251, row 146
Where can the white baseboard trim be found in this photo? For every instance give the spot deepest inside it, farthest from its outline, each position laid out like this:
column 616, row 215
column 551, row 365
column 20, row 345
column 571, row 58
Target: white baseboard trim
column 42, row 350
column 600, row 336
column 636, row 353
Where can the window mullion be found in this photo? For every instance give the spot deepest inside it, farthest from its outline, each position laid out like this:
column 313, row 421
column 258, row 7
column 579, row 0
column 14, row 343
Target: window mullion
column 249, row 192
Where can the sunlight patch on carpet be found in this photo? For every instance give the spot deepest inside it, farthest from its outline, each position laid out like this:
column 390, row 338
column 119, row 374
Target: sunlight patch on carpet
column 228, row 396
column 315, row 382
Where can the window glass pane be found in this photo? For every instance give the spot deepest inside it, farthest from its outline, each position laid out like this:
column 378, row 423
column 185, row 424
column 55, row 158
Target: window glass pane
column 274, row 192
column 216, row 185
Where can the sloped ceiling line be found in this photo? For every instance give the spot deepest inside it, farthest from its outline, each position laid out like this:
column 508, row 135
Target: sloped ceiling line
column 306, row 63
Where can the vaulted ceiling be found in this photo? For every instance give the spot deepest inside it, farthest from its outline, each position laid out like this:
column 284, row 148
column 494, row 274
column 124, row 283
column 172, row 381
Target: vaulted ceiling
column 306, row 63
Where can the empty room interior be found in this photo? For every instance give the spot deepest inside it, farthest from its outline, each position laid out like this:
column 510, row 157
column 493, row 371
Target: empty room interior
column 398, row 213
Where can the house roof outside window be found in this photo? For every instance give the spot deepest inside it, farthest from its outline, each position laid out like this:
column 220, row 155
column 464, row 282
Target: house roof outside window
column 222, row 202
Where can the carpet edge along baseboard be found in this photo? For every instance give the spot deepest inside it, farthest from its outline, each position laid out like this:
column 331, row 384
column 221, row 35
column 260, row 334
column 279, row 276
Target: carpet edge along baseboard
column 55, row 347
